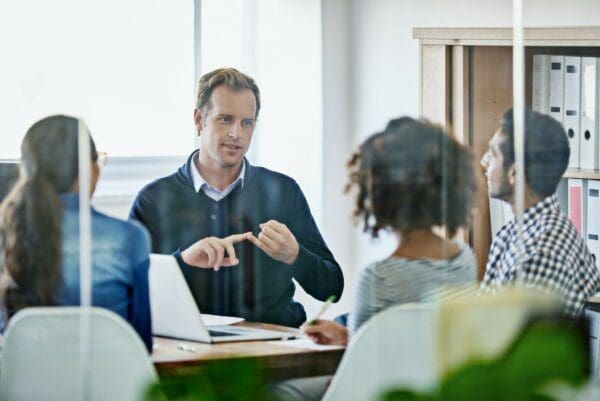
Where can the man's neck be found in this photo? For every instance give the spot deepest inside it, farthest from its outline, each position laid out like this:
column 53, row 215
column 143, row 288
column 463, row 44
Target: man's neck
column 531, row 198
column 216, row 175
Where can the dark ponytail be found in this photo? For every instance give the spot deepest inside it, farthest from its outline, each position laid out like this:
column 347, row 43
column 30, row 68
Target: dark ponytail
column 31, row 228
column 31, row 215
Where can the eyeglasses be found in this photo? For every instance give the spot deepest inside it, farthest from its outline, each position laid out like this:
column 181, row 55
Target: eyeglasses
column 102, row 159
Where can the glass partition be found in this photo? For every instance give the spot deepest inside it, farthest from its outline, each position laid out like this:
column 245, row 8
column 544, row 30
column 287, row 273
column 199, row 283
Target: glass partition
column 348, row 173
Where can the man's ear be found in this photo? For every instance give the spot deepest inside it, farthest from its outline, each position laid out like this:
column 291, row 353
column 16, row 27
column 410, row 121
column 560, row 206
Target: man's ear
column 198, row 119
column 512, row 175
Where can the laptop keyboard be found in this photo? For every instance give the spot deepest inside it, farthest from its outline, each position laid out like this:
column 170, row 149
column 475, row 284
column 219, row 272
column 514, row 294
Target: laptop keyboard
column 215, row 333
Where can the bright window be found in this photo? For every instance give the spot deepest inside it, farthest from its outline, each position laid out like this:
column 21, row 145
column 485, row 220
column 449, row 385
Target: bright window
column 126, row 67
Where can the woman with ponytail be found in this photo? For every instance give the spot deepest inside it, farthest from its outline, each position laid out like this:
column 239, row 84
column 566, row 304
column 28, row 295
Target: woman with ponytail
column 39, row 235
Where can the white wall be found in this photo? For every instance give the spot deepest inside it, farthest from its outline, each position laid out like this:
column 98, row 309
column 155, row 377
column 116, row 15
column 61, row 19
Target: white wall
column 336, row 224
column 289, row 72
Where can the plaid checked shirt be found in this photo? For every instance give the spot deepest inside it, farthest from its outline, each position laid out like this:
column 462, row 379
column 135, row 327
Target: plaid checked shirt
column 553, row 257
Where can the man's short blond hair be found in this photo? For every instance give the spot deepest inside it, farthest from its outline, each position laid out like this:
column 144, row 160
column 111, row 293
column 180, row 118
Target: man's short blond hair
column 229, row 77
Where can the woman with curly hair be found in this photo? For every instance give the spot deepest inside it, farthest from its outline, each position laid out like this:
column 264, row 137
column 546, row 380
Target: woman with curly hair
column 410, row 178
column 39, row 235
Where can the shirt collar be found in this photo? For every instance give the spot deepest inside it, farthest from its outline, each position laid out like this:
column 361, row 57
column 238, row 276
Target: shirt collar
column 532, row 215
column 199, row 181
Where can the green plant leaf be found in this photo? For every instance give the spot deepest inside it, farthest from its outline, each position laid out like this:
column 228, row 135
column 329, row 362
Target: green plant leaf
column 228, row 380
column 547, row 350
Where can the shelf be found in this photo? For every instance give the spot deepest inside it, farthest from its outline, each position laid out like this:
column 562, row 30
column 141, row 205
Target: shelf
column 466, row 77
column 539, row 36
column 582, row 173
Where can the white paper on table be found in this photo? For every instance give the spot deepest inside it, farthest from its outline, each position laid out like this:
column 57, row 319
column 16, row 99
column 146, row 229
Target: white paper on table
column 216, row 320
column 306, row 343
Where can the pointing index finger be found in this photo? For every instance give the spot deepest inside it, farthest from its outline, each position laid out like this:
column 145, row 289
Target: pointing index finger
column 235, row 238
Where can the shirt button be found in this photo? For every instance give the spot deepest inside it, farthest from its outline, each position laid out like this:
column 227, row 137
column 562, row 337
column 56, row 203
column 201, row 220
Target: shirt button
column 213, row 217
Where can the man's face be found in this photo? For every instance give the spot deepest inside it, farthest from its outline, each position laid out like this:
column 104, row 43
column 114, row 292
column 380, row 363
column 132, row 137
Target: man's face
column 225, row 126
column 499, row 180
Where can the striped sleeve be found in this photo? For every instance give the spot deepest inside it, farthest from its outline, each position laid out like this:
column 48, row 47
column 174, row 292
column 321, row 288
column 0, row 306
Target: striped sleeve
column 366, row 302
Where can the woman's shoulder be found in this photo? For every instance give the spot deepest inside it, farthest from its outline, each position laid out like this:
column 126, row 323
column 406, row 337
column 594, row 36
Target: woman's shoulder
column 129, row 227
column 383, row 268
column 130, row 233
column 465, row 258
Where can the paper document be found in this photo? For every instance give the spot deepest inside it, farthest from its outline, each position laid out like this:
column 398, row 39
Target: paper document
column 306, row 343
column 216, row 320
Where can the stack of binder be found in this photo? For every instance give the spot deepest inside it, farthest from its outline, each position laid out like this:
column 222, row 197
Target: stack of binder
column 567, row 88
column 583, row 208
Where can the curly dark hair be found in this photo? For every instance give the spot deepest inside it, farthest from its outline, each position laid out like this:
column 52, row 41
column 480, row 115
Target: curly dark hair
column 412, row 175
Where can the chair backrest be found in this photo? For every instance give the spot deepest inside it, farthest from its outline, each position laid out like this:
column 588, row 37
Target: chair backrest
column 414, row 345
column 42, row 357
column 594, row 319
column 395, row 348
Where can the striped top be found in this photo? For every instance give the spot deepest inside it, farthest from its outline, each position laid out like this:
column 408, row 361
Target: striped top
column 396, row 280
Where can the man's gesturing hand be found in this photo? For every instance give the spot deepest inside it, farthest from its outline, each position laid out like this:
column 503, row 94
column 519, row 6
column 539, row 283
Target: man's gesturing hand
column 209, row 253
column 277, row 241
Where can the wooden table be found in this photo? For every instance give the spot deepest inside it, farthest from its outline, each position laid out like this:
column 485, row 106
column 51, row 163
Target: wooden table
column 279, row 361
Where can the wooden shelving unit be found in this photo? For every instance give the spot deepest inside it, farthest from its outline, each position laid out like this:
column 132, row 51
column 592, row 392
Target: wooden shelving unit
column 582, row 173
column 466, row 85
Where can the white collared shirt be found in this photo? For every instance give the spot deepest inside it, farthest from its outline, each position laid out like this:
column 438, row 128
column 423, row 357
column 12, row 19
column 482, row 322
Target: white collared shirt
column 210, row 191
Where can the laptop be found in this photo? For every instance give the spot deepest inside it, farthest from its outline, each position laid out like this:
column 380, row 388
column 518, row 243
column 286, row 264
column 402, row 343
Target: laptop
column 175, row 313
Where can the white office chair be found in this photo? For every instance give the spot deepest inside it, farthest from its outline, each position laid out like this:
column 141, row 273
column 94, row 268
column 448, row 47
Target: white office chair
column 394, row 348
column 42, row 355
column 413, row 345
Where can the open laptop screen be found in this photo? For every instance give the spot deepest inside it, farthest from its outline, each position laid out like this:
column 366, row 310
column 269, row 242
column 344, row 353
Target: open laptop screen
column 9, row 172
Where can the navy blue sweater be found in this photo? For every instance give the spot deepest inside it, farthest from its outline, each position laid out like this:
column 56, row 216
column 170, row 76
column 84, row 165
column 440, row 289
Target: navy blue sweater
column 259, row 288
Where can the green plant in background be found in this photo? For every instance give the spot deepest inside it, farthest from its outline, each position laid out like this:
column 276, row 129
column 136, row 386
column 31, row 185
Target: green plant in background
column 546, row 352
column 233, row 380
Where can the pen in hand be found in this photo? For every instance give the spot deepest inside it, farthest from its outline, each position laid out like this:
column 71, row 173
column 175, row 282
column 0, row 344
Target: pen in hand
column 324, row 307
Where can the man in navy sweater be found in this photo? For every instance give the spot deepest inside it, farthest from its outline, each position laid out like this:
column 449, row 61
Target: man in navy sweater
column 208, row 212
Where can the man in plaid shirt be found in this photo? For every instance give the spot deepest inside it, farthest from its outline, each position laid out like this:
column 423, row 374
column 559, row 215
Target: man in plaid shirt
column 550, row 255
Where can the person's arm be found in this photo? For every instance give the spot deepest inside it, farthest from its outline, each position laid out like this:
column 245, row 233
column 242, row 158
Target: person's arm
column 326, row 332
column 139, row 314
column 299, row 244
column 366, row 303
column 545, row 271
column 144, row 213
column 315, row 268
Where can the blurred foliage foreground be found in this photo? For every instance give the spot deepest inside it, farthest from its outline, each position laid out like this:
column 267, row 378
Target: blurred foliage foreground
column 548, row 355
column 234, row 380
